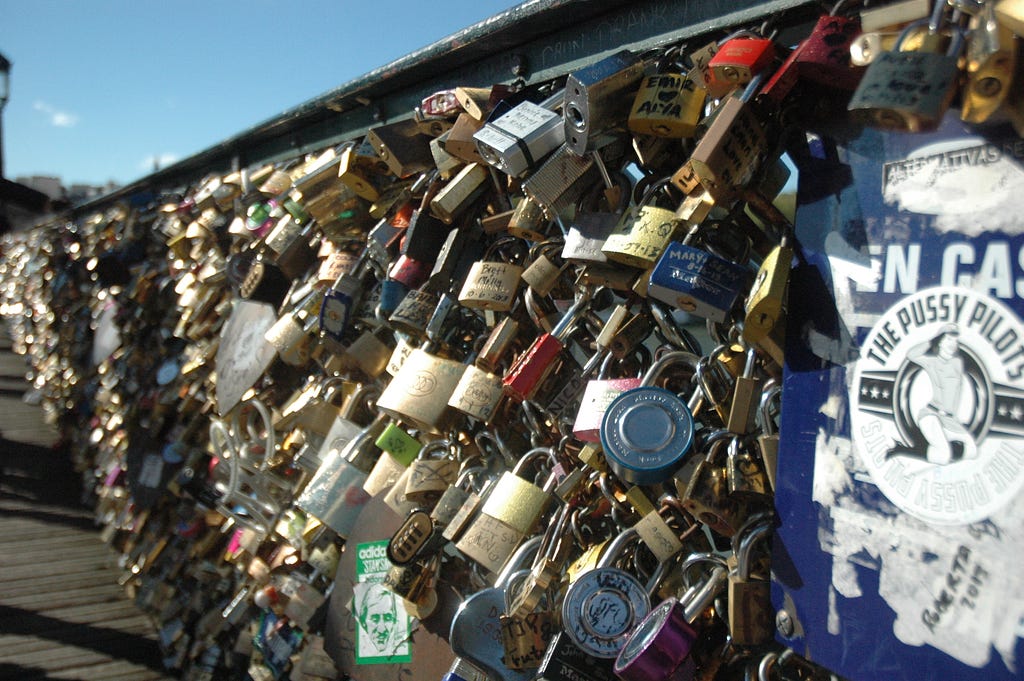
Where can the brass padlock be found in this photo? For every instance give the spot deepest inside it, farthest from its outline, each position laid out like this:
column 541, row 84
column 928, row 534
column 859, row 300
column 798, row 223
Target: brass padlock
column 730, row 151
column 991, row 65
column 911, row 90
column 764, row 306
column 669, row 103
column 746, row 397
column 460, row 192
column 431, row 472
column 509, row 513
column 639, row 242
column 492, row 284
column 419, row 393
column 751, row 616
column 746, row 475
column 706, row 494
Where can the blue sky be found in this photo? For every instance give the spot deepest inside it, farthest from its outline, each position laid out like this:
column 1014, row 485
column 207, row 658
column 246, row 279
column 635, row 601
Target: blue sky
column 101, row 88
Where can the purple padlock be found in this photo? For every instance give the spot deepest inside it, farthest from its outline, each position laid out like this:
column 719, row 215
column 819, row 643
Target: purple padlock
column 659, row 648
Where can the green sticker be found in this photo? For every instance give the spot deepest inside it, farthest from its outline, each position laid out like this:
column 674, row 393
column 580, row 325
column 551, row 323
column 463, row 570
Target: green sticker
column 382, row 634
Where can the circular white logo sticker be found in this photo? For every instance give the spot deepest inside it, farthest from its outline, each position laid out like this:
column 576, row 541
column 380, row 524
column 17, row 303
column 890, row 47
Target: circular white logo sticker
column 937, row 405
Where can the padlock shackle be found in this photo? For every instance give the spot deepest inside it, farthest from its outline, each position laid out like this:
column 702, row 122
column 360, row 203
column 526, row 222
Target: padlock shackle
column 524, row 553
column 614, row 550
column 746, row 545
column 706, row 594
column 670, row 359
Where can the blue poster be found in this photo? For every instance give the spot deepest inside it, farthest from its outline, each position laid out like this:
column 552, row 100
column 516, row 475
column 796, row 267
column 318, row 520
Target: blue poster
column 901, row 457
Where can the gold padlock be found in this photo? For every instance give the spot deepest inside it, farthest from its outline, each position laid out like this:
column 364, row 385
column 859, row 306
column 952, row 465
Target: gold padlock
column 508, row 514
column 668, row 104
column 641, row 241
column 419, row 393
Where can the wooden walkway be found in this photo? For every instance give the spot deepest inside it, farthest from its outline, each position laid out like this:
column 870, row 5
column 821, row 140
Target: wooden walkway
column 62, row 613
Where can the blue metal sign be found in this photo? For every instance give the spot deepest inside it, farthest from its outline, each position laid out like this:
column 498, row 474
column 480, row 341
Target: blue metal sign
column 901, row 456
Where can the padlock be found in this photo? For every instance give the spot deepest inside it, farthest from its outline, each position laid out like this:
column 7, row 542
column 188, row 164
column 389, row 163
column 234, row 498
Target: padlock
column 398, row 449
column 509, row 513
column 359, row 168
column 500, row 340
column 670, row 101
column 343, row 297
column 529, row 370
column 546, row 267
column 597, row 397
column 518, row 140
column 596, row 99
column 603, row 340
column 431, row 472
column 402, row 146
column 474, row 633
column 746, row 474
column 640, row 241
column 528, row 220
column 751, row 615
column 412, row 315
column 524, row 595
column 731, row 149
column 698, row 282
column 746, row 397
column 293, row 333
column 335, row 495
column 369, row 352
column 739, row 59
column 706, row 494
column 564, row 661
column 459, row 140
column 460, row 192
column 647, row 431
column 764, row 306
column 425, row 235
column 524, row 636
column 991, row 65
column 478, row 394
column 660, row 646
column 910, row 90
column 419, row 393
column 824, row 57
column 768, row 430
column 602, row 606
column 561, row 180
column 414, row 583
column 653, row 530
column 492, row 284
column 716, row 381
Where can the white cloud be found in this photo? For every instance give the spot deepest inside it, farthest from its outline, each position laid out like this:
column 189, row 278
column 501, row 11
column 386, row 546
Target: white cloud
column 60, row 119
column 155, row 162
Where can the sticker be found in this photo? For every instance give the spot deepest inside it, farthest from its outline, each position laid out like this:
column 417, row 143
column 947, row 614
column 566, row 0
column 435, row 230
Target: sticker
column 382, row 634
column 901, row 458
column 937, row 404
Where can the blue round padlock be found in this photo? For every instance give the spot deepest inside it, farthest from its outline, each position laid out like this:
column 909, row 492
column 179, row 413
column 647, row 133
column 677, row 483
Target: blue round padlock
column 645, row 433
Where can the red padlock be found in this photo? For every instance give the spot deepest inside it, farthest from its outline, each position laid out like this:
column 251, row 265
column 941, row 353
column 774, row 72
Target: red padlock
column 824, row 57
column 531, row 368
column 738, row 60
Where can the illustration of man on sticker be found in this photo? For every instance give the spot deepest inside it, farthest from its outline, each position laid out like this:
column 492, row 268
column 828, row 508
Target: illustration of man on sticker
column 943, row 437
column 383, row 628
